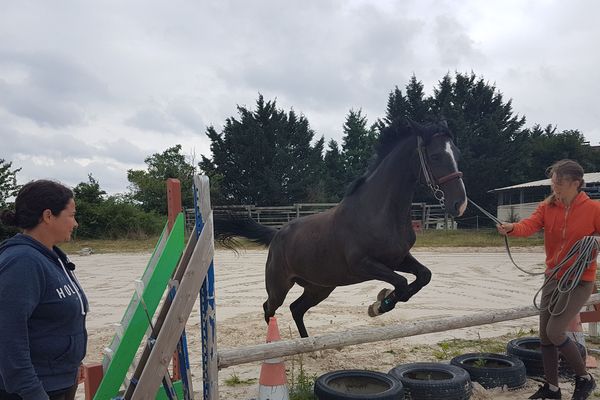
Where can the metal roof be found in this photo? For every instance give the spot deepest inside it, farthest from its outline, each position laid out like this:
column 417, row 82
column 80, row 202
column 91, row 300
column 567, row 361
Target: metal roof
column 592, row 177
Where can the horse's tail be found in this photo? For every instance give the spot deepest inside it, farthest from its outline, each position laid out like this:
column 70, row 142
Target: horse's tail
column 228, row 227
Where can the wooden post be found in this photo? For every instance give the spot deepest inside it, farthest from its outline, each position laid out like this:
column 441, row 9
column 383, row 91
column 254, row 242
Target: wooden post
column 92, row 376
column 173, row 200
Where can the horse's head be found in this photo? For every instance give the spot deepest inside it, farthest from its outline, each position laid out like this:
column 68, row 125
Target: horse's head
column 439, row 165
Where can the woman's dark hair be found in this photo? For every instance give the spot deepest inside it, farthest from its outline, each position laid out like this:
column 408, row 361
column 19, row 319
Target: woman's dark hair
column 33, row 199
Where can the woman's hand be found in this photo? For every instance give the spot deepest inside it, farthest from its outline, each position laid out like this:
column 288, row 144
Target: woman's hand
column 505, row 228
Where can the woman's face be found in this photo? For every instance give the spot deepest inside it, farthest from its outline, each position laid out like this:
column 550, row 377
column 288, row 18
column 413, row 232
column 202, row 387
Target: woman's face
column 564, row 188
column 62, row 225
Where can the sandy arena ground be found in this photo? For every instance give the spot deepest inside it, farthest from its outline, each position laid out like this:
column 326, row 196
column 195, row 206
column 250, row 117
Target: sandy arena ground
column 464, row 281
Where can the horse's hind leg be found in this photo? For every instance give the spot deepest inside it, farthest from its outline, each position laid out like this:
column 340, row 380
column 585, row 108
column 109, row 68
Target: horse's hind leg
column 311, row 296
column 278, row 284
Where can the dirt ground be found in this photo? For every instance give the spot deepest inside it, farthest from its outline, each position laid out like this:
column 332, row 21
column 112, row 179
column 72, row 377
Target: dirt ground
column 464, row 281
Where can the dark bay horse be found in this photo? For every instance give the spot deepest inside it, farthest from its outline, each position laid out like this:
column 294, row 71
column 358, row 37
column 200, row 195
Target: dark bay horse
column 369, row 234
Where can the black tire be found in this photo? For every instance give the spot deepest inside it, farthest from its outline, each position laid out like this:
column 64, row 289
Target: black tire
column 527, row 349
column 358, row 384
column 497, row 370
column 429, row 381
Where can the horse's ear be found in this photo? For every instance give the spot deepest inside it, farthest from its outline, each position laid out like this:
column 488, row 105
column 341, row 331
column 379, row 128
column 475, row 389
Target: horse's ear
column 444, row 123
column 414, row 126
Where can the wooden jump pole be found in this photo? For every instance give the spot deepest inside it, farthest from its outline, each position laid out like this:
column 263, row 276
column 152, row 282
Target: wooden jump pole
column 242, row 355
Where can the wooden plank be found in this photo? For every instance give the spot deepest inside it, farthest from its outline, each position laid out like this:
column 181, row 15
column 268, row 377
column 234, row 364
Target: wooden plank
column 229, row 357
column 177, row 316
column 138, row 324
column 181, row 267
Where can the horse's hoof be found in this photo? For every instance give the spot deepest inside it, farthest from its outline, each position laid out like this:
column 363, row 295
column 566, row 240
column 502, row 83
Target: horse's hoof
column 374, row 309
column 383, row 293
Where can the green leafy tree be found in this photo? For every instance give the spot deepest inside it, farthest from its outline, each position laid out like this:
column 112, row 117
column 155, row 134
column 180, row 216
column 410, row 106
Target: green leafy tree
column 89, row 191
column 8, row 182
column 111, row 217
column 148, row 187
column 265, row 157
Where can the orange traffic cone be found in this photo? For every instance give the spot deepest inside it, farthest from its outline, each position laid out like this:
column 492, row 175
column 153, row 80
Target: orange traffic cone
column 272, row 382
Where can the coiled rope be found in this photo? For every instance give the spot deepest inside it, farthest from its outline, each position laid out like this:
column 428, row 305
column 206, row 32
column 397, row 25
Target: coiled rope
column 585, row 250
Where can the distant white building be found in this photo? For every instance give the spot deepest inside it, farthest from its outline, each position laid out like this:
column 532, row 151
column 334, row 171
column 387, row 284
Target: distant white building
column 519, row 201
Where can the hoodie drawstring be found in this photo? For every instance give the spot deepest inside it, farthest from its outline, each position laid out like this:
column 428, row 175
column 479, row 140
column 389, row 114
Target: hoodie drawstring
column 74, row 286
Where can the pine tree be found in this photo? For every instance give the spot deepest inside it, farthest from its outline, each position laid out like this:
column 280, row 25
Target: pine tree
column 357, row 147
column 265, row 157
column 335, row 175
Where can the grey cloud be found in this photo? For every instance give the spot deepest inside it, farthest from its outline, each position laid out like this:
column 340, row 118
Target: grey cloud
column 152, row 119
column 186, row 116
column 175, row 117
column 28, row 102
column 52, row 91
column 64, row 146
column 123, row 151
column 342, row 56
column 111, row 176
column 453, row 43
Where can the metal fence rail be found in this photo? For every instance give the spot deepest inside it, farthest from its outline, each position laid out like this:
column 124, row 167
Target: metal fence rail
column 424, row 216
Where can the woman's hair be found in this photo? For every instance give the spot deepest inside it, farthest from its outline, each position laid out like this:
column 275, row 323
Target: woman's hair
column 564, row 169
column 33, row 199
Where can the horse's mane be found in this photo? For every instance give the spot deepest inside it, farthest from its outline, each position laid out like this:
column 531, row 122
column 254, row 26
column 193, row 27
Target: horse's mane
column 390, row 136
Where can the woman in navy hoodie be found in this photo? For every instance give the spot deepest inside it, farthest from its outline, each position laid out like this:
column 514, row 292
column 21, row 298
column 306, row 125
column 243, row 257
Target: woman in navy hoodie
column 42, row 306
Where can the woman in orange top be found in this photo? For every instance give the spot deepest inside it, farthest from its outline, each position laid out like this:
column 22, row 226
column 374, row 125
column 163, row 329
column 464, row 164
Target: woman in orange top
column 566, row 216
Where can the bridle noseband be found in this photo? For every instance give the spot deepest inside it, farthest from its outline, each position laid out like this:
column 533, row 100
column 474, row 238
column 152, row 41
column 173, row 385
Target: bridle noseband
column 432, row 182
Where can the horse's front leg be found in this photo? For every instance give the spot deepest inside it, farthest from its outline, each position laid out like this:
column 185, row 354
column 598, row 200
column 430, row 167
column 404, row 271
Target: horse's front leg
column 422, row 277
column 387, row 298
column 369, row 269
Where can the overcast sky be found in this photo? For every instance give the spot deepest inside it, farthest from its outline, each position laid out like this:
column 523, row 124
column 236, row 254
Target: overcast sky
column 95, row 87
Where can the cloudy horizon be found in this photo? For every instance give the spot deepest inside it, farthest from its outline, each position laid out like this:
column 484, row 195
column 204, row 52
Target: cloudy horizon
column 98, row 88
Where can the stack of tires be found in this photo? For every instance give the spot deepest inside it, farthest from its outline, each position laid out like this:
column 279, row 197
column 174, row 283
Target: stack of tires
column 415, row 381
column 528, row 350
column 428, row 381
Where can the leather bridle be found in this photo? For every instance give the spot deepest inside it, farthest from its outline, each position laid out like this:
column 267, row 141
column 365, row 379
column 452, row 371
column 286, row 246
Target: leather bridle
column 432, row 182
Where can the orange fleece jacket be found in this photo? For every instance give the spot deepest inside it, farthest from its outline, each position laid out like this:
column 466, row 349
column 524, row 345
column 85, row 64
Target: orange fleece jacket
column 563, row 226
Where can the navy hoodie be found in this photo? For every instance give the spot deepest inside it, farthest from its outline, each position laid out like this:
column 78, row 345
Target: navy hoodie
column 42, row 319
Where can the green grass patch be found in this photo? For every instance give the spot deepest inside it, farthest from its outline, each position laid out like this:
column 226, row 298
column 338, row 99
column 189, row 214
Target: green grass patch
column 448, row 349
column 234, row 380
column 445, row 238
column 428, row 238
column 301, row 384
column 471, row 238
